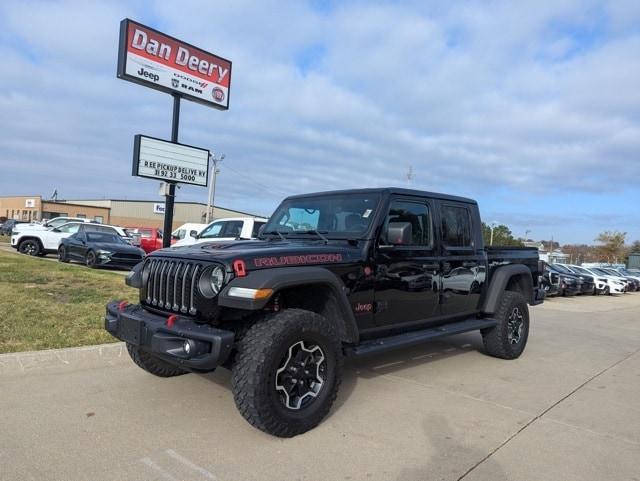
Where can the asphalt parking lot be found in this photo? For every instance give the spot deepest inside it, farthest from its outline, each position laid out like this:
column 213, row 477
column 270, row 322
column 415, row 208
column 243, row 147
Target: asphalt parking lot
column 566, row 410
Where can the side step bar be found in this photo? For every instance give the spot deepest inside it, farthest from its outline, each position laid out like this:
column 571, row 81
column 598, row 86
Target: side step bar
column 417, row 337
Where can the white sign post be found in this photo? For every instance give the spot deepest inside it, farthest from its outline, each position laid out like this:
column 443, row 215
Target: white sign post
column 170, row 161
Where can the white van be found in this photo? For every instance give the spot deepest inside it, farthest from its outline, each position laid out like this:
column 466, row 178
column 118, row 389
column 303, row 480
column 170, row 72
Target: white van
column 222, row 230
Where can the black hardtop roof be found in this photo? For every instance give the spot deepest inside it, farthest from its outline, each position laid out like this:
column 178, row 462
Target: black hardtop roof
column 391, row 190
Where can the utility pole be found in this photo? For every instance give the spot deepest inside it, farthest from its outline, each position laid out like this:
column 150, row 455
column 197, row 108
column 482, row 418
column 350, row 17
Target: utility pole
column 492, row 226
column 212, row 186
column 410, row 175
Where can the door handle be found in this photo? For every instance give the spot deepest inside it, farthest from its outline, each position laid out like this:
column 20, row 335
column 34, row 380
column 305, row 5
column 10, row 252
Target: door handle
column 434, row 265
column 469, row 264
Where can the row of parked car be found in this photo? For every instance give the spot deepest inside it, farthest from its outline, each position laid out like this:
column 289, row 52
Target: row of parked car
column 94, row 244
column 570, row 280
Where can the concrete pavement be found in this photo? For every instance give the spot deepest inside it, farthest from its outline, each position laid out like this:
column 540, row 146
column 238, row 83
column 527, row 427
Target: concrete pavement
column 566, row 410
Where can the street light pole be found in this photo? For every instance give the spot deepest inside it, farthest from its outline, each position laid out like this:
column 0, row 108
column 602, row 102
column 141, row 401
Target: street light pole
column 212, row 186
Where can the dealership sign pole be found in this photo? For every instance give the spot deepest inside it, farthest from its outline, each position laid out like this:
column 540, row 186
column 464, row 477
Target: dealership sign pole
column 156, row 60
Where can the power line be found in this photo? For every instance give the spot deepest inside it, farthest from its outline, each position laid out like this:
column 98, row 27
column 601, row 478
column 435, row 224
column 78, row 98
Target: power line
column 272, row 190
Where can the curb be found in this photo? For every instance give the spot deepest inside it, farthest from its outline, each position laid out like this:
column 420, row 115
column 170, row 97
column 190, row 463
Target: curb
column 17, row 363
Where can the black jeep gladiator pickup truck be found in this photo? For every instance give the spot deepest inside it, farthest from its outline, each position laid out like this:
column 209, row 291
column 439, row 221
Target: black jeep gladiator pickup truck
column 345, row 273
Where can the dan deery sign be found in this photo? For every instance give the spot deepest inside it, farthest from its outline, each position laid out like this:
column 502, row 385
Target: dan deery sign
column 169, row 161
column 159, row 61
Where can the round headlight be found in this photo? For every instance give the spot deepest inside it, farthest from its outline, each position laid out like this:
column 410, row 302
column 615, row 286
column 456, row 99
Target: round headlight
column 216, row 279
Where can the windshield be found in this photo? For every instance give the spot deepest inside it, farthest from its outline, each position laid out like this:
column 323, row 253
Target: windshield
column 601, row 272
column 57, row 222
column 338, row 215
column 562, row 269
column 104, row 237
column 580, row 270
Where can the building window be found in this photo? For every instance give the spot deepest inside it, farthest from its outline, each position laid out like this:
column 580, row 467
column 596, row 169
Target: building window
column 99, row 219
column 82, row 216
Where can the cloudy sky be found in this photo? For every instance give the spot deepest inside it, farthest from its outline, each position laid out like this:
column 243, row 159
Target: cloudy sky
column 533, row 108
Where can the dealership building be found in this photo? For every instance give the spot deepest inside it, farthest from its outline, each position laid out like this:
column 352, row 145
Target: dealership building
column 122, row 212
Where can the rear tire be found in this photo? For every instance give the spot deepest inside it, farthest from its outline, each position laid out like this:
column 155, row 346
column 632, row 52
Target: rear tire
column 508, row 338
column 152, row 364
column 287, row 372
column 29, row 247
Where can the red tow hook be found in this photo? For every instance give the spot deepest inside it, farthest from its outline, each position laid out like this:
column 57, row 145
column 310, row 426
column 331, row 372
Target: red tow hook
column 122, row 305
column 171, row 320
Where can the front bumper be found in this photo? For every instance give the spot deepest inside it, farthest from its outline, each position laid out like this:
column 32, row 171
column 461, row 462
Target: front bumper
column 209, row 347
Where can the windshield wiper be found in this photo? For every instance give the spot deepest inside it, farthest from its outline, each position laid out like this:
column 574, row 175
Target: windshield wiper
column 316, row 232
column 275, row 232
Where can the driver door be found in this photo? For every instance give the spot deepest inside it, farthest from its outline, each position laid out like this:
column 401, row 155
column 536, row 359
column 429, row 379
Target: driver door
column 407, row 283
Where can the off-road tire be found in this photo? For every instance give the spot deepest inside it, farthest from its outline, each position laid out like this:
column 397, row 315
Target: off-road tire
column 496, row 339
column 152, row 364
column 259, row 354
column 62, row 254
column 30, row 247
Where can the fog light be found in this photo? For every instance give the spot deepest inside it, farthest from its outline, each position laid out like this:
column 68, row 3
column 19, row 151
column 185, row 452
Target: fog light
column 187, row 347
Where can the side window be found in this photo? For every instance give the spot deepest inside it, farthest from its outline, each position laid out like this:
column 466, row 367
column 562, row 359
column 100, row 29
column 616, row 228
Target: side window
column 256, row 228
column 232, row 229
column 415, row 213
column 456, row 226
column 213, row 230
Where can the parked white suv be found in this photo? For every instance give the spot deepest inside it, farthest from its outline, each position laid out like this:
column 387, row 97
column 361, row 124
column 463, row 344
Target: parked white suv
column 39, row 242
column 224, row 230
column 49, row 224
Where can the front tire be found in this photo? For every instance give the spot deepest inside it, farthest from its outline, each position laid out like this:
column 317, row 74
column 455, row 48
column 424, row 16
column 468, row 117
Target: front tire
column 508, row 338
column 62, row 254
column 152, row 364
column 29, row 247
column 91, row 260
column 287, row 372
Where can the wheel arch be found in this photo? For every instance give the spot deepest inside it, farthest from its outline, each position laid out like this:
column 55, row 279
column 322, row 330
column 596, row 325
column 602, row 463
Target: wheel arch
column 28, row 238
column 312, row 288
column 513, row 277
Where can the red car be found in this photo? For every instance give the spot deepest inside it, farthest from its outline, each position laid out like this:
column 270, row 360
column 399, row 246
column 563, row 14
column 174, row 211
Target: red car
column 148, row 239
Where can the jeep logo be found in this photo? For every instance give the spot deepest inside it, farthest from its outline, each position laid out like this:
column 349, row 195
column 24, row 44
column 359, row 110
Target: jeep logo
column 154, row 77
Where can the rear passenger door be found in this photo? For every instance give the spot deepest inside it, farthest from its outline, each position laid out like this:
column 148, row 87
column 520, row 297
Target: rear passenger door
column 463, row 271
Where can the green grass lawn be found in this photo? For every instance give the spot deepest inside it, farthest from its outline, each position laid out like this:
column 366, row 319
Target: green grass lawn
column 46, row 305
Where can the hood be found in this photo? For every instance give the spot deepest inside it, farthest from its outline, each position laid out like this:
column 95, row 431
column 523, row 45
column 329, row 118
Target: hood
column 263, row 254
column 116, row 247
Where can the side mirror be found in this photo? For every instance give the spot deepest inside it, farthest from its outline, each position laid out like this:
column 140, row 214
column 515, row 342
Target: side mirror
column 175, row 237
column 399, row 233
column 55, row 229
column 194, row 234
column 261, row 229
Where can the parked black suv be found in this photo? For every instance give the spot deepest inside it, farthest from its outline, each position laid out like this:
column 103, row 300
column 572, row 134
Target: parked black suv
column 337, row 273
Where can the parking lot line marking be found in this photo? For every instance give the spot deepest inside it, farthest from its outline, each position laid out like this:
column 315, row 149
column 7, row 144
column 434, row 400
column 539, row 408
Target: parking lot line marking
column 165, row 474
column 190, row 464
column 543, row 413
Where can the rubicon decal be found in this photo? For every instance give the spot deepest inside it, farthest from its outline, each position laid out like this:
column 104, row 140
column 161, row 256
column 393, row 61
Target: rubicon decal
column 296, row 260
column 158, row 60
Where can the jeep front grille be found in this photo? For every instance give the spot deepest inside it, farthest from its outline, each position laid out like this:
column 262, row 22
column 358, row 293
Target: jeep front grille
column 171, row 284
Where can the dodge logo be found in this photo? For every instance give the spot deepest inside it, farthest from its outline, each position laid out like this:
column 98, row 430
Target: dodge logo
column 175, row 83
column 218, row 94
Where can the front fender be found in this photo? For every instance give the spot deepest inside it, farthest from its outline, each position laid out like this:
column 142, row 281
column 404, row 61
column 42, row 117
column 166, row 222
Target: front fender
column 281, row 278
